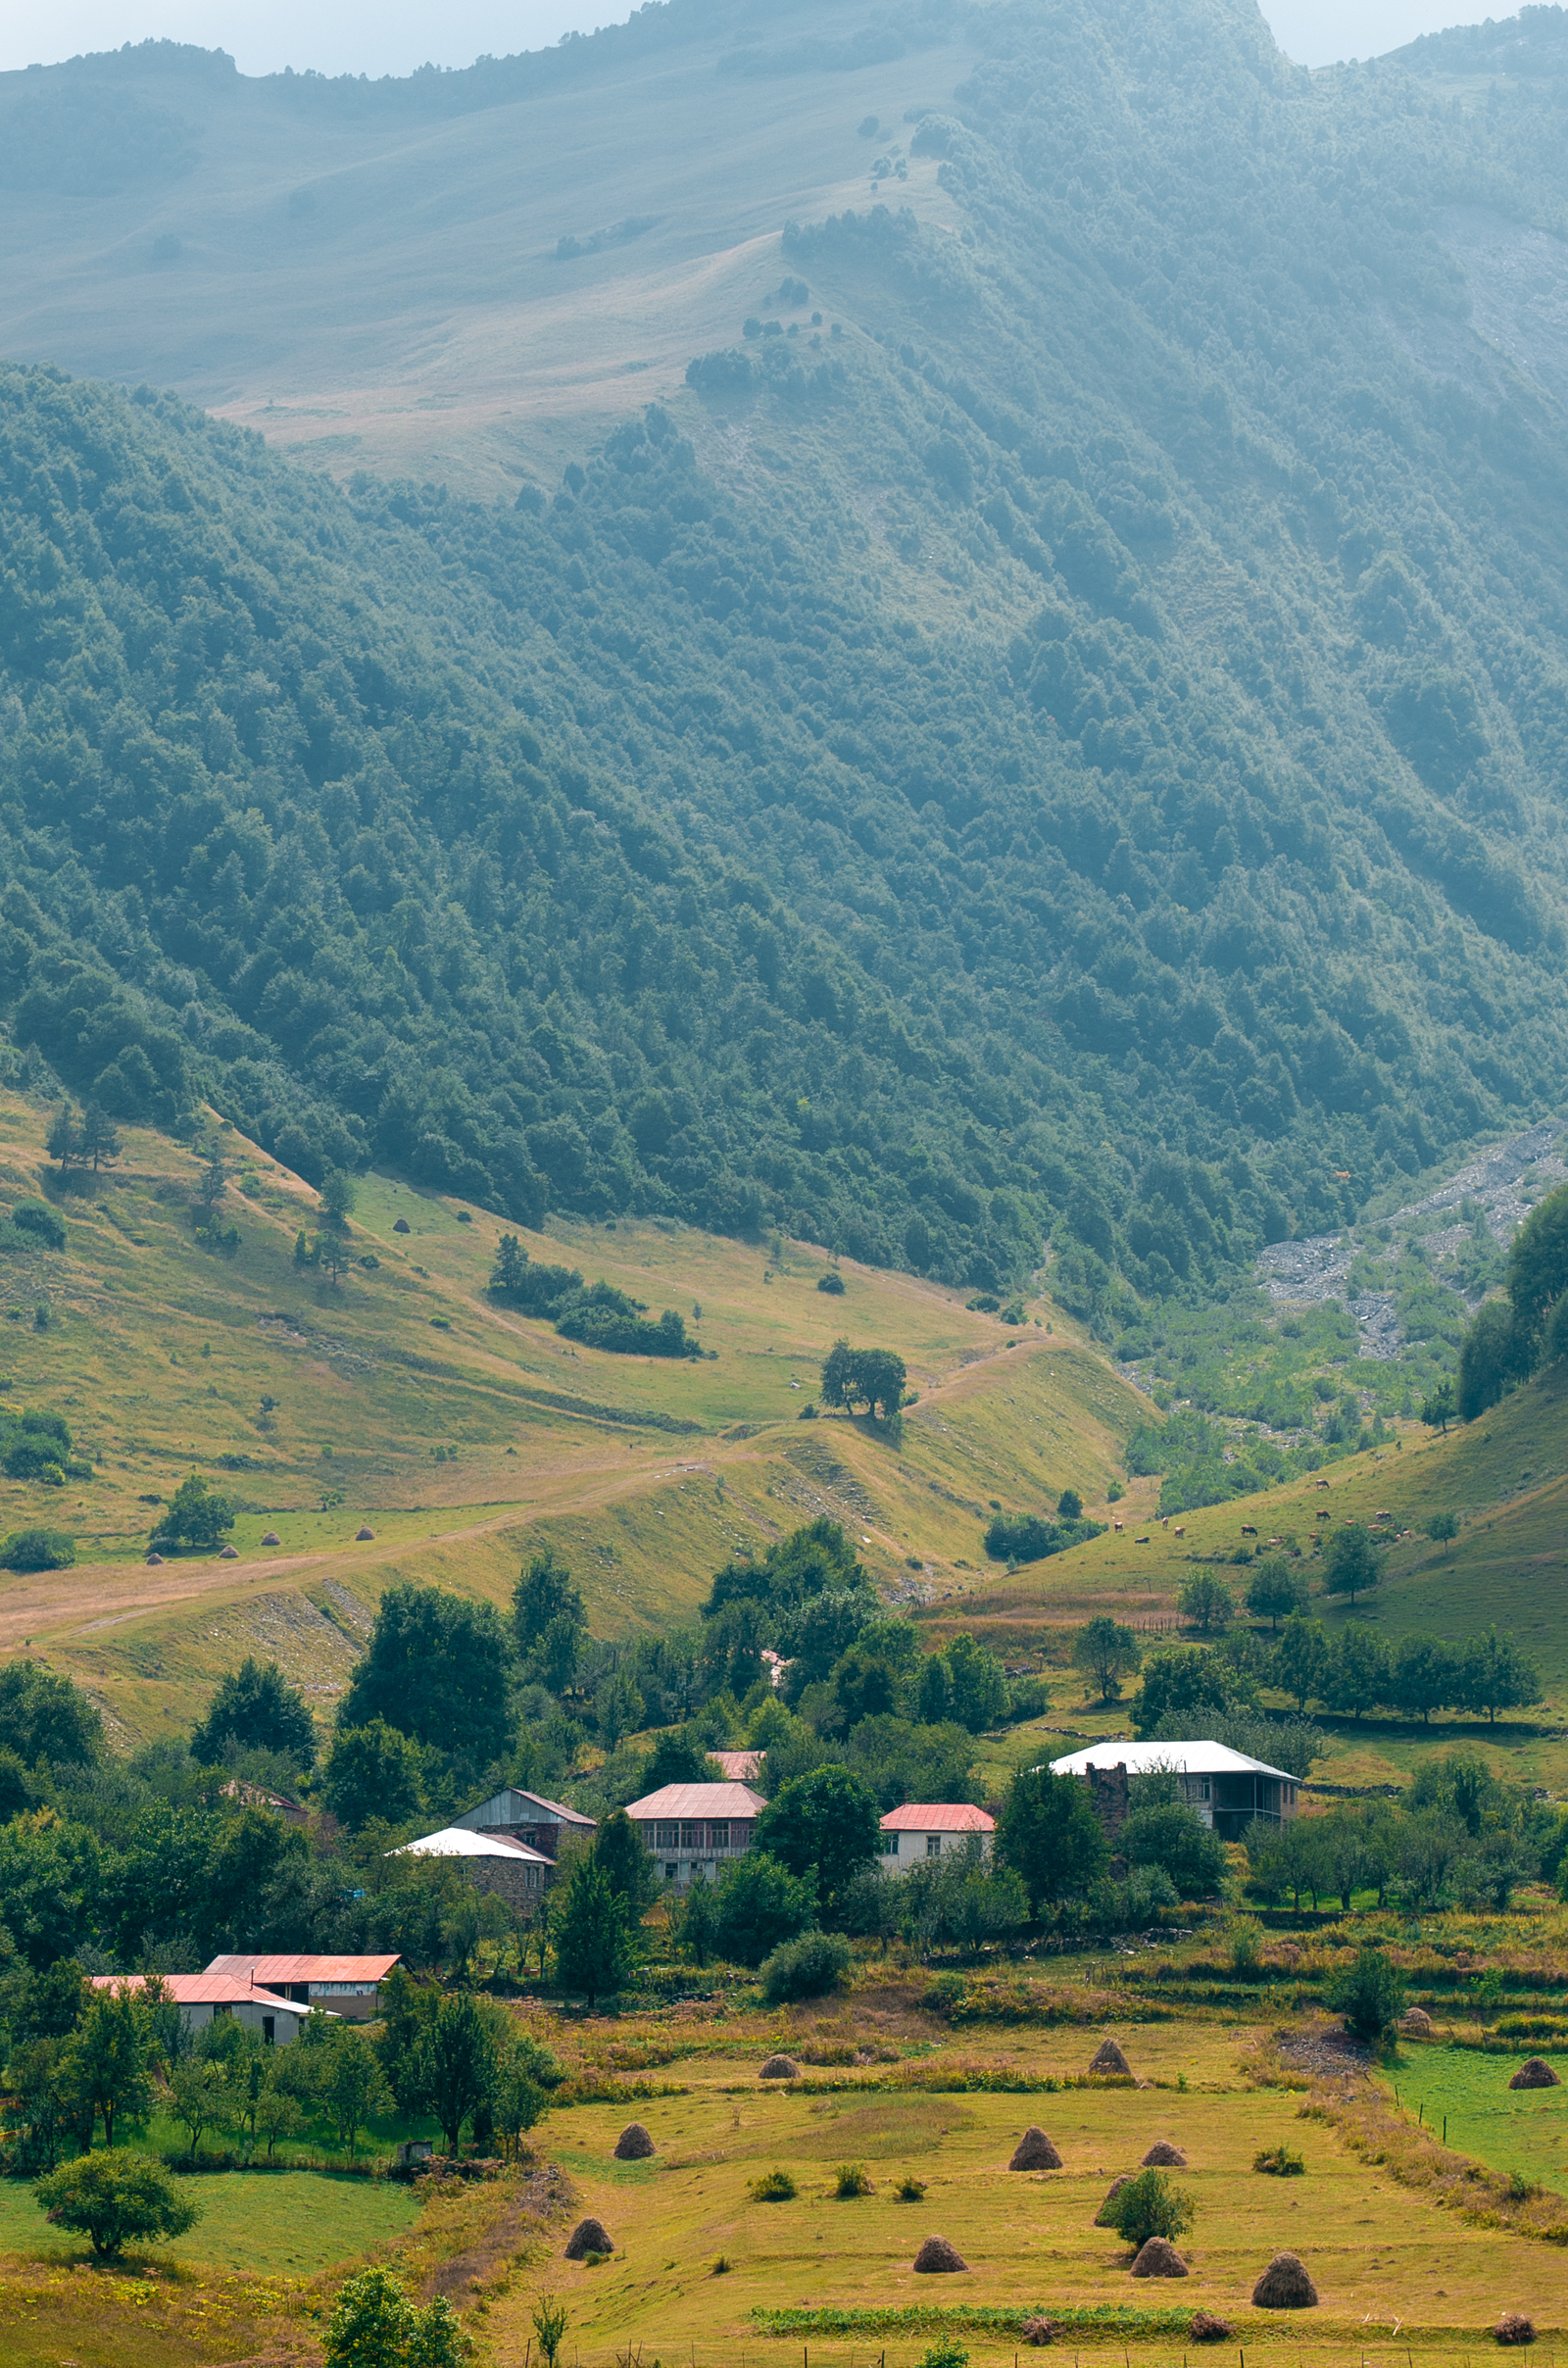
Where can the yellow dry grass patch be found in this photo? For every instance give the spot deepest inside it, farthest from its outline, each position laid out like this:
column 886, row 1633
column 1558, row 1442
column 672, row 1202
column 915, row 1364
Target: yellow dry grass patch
column 1380, row 2255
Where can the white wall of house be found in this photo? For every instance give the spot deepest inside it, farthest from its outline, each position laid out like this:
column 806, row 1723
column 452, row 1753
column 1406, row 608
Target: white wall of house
column 256, row 2014
column 900, row 1852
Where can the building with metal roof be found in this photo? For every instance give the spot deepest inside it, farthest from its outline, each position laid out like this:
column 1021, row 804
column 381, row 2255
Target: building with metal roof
column 527, row 1818
column 1227, row 1789
column 493, row 1862
column 203, row 1997
column 349, row 1984
column 921, row 1831
column 693, row 1830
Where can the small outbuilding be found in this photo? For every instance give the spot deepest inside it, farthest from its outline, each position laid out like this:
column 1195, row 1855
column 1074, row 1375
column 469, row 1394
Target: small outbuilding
column 206, row 1997
column 1228, row 1791
column 348, row 1986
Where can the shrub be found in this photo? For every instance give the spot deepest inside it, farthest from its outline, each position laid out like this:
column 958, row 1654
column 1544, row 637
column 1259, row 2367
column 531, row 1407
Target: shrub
column 44, row 1223
column 831, row 1282
column 37, row 1549
column 774, row 2186
column 911, row 2191
column 945, row 2352
column 1279, row 2162
column 1246, row 1946
column 115, row 2199
column 851, row 2179
column 1370, row 1994
column 1149, row 2207
column 808, row 1967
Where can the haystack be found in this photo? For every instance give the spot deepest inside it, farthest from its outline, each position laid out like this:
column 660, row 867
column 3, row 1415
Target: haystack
column 153, row 1560
column 363, row 1537
column 271, row 1539
column 1109, row 2057
column 1102, row 2217
column 1416, row 2023
column 1158, row 2258
column 937, row 2254
column 1514, row 2328
column 781, row 2067
column 1166, row 2157
column 1033, row 2151
column 1534, row 2075
column 400, row 1224
column 228, row 1554
column 1207, row 2328
column 634, row 2144
column 589, row 2237
column 1285, row 2286
column 1038, row 2332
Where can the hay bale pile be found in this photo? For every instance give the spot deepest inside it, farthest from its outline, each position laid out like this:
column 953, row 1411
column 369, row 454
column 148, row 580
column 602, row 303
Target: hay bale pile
column 1165, row 2156
column 1038, row 2332
column 1285, row 2286
column 1109, row 2057
column 272, row 1538
column 1514, row 2328
column 1158, row 2258
column 1102, row 2217
column 1033, row 2151
column 937, row 2256
column 589, row 2237
column 1534, row 2075
column 781, row 2067
column 634, row 2144
column 1207, row 2328
column 1416, row 2023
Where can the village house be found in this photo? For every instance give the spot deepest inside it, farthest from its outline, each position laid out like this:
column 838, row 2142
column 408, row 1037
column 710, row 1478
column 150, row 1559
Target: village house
column 202, row 1998
column 693, row 1830
column 527, row 1818
column 350, row 1987
column 1227, row 1789
column 923, row 1830
column 492, row 1862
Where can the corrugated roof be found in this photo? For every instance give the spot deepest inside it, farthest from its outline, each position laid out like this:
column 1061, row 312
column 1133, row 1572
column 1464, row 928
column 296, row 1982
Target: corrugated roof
column 203, row 1989
column 1187, row 1758
column 457, row 1841
column 698, row 1801
column 937, row 1817
column 516, row 1807
column 281, row 1966
column 739, row 1766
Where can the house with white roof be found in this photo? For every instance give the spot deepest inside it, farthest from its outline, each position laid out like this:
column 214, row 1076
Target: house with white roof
column 923, row 1830
column 492, row 1862
column 693, row 1830
column 1228, row 1790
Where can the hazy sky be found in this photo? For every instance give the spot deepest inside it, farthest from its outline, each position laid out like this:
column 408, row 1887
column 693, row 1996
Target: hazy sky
column 392, row 36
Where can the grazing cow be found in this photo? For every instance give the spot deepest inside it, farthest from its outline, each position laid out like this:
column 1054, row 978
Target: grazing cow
column 1178, row 1533
column 1248, row 1531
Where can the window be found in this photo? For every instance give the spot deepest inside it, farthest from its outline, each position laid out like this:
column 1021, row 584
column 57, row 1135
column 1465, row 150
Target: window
column 669, row 1874
column 889, row 1845
column 270, row 2030
column 933, row 1846
column 718, row 1834
column 691, row 1835
column 667, row 1837
column 218, row 2010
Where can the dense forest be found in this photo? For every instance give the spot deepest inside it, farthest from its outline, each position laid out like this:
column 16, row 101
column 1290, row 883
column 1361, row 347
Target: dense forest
column 665, row 844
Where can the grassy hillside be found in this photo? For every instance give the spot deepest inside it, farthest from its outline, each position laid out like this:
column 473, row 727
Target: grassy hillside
column 466, row 1435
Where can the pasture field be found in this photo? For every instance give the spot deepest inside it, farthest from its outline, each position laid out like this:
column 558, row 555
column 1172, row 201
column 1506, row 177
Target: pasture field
column 834, row 2276
column 287, row 2224
column 1467, row 2093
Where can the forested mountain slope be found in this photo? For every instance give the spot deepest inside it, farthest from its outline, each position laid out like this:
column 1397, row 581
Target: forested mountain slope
column 1079, row 749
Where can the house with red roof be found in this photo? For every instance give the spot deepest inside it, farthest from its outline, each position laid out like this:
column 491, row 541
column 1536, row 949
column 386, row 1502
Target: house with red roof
column 923, row 1830
column 204, row 1997
column 346, row 1986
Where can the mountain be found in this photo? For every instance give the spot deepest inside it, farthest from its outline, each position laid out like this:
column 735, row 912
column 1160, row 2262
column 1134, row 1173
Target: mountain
column 1064, row 749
